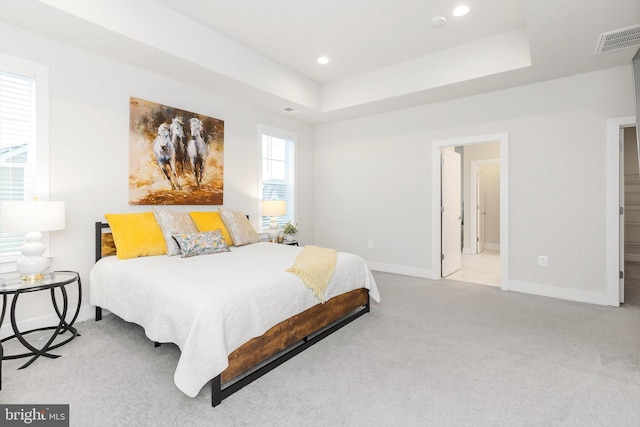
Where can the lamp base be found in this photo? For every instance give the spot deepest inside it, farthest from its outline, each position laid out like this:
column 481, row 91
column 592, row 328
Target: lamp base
column 273, row 230
column 32, row 264
column 32, row 277
column 273, row 235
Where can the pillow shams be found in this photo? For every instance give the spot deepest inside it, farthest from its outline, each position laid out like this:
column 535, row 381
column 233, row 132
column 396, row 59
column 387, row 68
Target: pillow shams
column 208, row 242
column 239, row 227
column 172, row 222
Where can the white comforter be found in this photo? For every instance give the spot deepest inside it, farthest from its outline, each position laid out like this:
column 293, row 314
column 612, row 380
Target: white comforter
column 209, row 305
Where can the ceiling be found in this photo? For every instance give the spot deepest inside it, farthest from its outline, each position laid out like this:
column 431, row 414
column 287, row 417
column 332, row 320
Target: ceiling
column 384, row 55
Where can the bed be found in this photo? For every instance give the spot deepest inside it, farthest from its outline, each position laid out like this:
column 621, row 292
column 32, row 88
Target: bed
column 235, row 315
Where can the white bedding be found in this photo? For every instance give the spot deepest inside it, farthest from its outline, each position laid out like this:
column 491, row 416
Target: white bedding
column 209, row 305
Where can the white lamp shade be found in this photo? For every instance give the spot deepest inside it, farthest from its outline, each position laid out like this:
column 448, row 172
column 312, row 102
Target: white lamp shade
column 274, row 208
column 26, row 216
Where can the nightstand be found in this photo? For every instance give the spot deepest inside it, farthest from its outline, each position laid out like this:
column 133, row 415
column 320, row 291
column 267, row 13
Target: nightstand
column 12, row 284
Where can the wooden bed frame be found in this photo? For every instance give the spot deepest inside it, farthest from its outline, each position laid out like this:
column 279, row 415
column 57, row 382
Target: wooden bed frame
column 260, row 355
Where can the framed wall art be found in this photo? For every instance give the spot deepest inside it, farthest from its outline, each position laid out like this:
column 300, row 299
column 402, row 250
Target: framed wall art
column 176, row 157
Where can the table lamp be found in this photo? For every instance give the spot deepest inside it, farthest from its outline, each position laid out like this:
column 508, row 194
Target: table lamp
column 32, row 217
column 274, row 209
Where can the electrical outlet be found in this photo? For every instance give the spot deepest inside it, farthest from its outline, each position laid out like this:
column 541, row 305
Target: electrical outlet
column 370, row 244
column 542, row 260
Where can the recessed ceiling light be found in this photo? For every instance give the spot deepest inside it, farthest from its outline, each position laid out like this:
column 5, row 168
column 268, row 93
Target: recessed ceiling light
column 323, row 60
column 461, row 10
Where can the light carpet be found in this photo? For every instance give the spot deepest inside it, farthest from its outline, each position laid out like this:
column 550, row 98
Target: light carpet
column 431, row 354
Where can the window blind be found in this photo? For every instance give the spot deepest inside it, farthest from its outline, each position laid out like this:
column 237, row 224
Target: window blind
column 17, row 146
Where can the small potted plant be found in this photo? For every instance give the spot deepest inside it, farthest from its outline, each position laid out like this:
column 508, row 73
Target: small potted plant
column 289, row 231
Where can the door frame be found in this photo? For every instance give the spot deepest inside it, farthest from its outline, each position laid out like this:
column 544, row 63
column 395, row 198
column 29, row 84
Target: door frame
column 436, row 146
column 473, row 224
column 614, row 254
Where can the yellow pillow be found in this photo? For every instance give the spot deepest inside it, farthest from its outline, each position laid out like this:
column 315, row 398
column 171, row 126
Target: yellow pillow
column 136, row 235
column 211, row 221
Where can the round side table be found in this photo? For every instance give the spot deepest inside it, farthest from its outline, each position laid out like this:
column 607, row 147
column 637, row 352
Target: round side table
column 12, row 284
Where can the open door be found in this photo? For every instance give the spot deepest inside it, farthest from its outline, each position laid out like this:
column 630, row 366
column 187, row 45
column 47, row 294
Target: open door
column 480, row 211
column 621, row 220
column 451, row 212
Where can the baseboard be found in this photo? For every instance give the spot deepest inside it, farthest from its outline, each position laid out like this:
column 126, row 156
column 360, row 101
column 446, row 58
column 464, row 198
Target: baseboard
column 578, row 295
column 402, row 269
column 490, row 246
column 86, row 312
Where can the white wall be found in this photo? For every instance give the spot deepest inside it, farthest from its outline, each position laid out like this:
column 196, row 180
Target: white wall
column 373, row 179
column 89, row 109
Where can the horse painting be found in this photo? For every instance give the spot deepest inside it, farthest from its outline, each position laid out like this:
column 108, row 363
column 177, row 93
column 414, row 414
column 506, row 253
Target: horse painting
column 166, row 155
column 197, row 150
column 176, row 157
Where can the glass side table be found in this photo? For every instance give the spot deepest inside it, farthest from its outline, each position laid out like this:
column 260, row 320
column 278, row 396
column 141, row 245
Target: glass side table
column 12, row 284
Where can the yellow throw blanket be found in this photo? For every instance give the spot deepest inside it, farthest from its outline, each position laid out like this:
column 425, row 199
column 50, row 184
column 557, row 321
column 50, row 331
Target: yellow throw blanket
column 315, row 266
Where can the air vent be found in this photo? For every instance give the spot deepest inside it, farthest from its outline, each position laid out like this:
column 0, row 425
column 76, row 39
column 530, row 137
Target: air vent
column 618, row 39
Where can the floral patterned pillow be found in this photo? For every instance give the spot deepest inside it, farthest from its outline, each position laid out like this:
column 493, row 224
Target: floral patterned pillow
column 242, row 233
column 208, row 242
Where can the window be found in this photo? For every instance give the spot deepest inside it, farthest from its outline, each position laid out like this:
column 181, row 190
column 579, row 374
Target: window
column 24, row 133
column 277, row 173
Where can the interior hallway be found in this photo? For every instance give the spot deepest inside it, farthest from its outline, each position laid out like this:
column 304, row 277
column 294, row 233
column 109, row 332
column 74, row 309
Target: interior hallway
column 482, row 268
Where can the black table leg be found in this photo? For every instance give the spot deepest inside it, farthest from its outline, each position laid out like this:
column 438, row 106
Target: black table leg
column 36, row 352
column 61, row 328
column 4, row 310
column 61, row 309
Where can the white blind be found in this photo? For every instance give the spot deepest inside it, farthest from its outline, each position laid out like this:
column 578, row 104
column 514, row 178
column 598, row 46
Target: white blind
column 17, row 146
column 278, row 174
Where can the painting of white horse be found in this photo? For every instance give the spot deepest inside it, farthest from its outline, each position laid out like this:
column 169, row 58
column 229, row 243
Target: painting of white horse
column 179, row 144
column 166, row 155
column 197, row 150
column 176, row 157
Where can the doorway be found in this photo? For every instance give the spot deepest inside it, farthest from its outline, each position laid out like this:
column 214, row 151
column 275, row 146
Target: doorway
column 469, row 248
column 615, row 293
column 480, row 173
column 630, row 217
column 484, row 204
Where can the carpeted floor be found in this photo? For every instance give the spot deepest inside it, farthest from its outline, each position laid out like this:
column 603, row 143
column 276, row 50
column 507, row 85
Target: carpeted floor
column 431, row 354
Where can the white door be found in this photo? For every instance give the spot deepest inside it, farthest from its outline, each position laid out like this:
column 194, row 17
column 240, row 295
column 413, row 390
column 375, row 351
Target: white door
column 480, row 211
column 621, row 219
column 451, row 221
